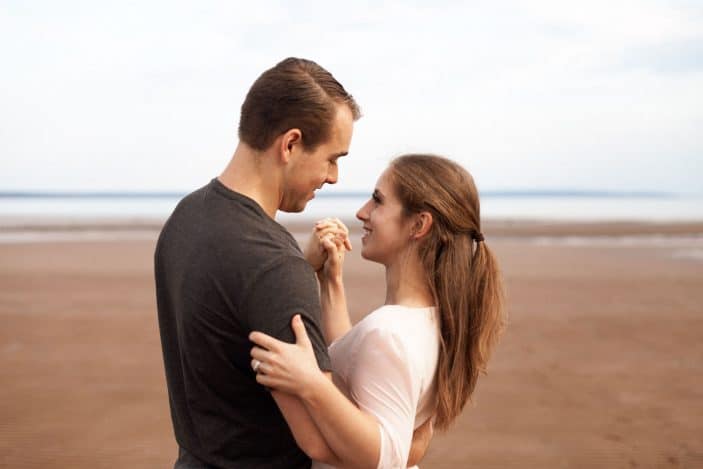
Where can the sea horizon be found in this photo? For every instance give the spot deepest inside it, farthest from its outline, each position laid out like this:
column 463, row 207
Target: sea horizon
column 519, row 204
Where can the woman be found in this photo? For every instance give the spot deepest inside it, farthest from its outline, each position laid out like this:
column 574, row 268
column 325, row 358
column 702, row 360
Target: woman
column 421, row 353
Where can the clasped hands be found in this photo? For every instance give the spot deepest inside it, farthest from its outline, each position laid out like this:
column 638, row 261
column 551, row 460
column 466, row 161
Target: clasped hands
column 326, row 247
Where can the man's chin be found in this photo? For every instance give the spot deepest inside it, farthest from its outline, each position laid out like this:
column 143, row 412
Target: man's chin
column 293, row 208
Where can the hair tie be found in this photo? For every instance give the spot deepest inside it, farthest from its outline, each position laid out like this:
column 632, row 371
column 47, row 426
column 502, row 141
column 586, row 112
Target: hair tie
column 478, row 236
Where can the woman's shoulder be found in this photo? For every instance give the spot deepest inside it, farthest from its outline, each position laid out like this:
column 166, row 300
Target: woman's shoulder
column 397, row 317
column 406, row 324
column 411, row 328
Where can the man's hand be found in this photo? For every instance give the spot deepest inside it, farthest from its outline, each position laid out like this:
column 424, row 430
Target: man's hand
column 421, row 441
column 329, row 228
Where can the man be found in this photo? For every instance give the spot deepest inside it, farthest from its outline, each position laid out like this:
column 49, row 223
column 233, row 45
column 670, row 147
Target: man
column 224, row 267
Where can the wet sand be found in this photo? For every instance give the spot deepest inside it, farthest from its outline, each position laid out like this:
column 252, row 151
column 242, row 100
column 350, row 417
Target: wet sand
column 601, row 365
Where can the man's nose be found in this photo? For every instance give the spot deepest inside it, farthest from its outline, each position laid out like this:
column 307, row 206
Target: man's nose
column 332, row 175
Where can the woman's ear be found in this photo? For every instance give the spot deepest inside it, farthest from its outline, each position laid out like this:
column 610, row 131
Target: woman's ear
column 291, row 141
column 423, row 225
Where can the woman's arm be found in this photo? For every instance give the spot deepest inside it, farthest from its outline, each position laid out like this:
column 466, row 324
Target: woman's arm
column 325, row 252
column 333, row 301
column 352, row 435
column 306, row 434
column 314, row 252
column 381, row 381
column 309, row 438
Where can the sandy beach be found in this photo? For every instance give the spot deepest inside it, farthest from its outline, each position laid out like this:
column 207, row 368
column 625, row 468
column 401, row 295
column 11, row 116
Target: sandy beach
column 601, row 364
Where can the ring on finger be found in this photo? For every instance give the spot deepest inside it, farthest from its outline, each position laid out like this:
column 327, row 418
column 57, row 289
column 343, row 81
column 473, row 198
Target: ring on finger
column 255, row 365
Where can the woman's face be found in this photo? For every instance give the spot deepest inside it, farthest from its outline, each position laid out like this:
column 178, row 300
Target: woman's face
column 386, row 233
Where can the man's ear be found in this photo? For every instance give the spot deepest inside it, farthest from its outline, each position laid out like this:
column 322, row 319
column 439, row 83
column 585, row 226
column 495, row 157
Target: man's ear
column 291, row 141
column 423, row 225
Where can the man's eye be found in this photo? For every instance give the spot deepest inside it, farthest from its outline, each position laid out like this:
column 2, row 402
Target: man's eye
column 376, row 198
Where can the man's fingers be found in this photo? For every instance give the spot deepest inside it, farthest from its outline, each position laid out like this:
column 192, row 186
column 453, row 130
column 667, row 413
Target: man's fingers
column 331, row 230
column 324, row 224
column 334, row 227
column 339, row 236
column 341, row 225
column 329, row 245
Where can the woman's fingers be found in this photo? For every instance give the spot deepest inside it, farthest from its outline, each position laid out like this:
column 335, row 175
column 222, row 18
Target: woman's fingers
column 268, row 381
column 301, row 335
column 335, row 233
column 343, row 227
column 258, row 353
column 330, row 246
column 283, row 366
column 259, row 366
column 265, row 341
column 335, row 226
column 330, row 231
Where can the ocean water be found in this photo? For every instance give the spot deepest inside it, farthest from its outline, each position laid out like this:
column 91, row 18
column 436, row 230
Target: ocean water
column 566, row 207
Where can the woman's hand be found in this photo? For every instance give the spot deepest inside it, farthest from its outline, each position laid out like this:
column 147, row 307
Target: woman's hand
column 330, row 228
column 290, row 368
column 331, row 270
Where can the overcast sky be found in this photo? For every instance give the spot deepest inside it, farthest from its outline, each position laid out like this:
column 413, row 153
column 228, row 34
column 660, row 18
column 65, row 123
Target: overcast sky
column 145, row 95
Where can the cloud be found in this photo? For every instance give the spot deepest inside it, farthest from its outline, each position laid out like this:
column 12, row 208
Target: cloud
column 684, row 56
column 146, row 95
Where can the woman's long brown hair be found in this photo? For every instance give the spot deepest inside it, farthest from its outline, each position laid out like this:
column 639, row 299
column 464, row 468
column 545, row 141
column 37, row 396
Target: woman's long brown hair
column 461, row 270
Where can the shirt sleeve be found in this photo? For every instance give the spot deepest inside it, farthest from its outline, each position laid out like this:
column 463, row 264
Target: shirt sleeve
column 282, row 289
column 382, row 382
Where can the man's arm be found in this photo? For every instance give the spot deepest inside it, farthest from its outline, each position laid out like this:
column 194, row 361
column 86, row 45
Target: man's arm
column 385, row 387
column 312, row 442
column 421, row 442
column 305, row 432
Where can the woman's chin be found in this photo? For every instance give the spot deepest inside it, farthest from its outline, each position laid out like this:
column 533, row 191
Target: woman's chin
column 365, row 254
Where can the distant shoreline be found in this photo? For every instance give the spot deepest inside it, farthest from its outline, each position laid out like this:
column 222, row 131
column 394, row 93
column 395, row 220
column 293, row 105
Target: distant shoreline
column 504, row 228
column 526, row 193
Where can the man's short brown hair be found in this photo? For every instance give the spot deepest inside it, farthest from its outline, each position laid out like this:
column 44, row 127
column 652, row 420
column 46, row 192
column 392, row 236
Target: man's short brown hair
column 296, row 93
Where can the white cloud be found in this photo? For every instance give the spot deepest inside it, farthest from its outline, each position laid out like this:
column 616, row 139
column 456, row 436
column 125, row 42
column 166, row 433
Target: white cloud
column 543, row 94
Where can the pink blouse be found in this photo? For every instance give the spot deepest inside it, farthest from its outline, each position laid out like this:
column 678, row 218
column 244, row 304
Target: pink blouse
column 386, row 364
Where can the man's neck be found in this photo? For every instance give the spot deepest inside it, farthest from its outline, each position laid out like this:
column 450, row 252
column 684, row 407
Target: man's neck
column 249, row 173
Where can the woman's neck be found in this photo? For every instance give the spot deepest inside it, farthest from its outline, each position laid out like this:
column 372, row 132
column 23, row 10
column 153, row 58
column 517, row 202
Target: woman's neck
column 406, row 284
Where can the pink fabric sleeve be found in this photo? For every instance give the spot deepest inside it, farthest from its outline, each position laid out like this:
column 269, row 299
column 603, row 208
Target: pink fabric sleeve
column 383, row 383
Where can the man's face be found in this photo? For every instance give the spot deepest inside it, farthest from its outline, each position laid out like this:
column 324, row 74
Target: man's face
column 309, row 170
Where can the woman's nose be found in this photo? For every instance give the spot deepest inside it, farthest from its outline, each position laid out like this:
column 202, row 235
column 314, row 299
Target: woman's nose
column 362, row 213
